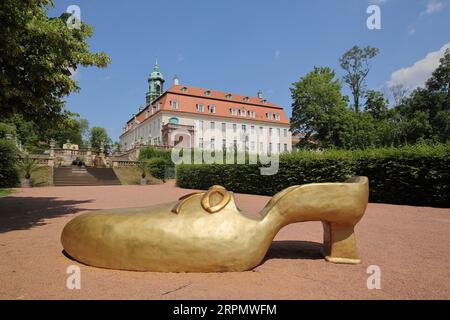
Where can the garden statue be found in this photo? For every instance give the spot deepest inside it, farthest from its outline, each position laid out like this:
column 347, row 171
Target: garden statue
column 206, row 232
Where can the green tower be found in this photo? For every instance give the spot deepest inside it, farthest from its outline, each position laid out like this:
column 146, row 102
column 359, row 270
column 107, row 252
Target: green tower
column 155, row 85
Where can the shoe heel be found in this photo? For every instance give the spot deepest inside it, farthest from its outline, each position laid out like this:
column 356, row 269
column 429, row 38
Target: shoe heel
column 339, row 243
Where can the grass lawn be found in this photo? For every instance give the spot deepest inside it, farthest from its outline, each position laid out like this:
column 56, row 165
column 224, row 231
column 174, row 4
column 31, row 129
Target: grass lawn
column 42, row 177
column 132, row 175
column 5, row 192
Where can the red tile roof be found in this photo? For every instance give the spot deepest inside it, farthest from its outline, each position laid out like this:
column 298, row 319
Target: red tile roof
column 189, row 97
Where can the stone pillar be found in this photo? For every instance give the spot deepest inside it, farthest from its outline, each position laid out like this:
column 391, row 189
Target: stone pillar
column 51, row 161
column 102, row 149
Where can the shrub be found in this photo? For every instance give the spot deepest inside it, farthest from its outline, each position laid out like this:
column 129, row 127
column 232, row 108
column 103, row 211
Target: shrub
column 8, row 157
column 416, row 175
column 157, row 167
column 147, row 153
column 27, row 165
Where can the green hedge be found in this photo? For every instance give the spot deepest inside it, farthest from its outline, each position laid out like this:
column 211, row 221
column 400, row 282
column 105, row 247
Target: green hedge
column 415, row 175
column 8, row 158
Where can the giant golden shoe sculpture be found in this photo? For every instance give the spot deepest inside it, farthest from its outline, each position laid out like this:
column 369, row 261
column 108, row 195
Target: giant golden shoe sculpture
column 206, row 232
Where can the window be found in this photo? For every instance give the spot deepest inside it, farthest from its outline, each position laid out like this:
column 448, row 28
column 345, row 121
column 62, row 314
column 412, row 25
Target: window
column 157, row 107
column 174, row 120
column 200, row 143
column 261, row 147
column 174, row 104
column 252, row 146
column 213, row 125
column 270, row 132
column 243, row 112
column 246, row 99
column 212, row 109
column 234, row 127
column 269, row 115
column 244, row 128
column 279, row 147
column 229, row 96
column 285, row 132
column 285, row 147
column 200, row 107
column 224, row 143
column 235, row 144
column 207, row 93
column 251, row 114
column 184, row 89
column 270, row 147
column 224, row 127
column 252, row 128
column 277, row 116
column 233, row 111
column 261, row 131
column 278, row 132
column 212, row 143
column 264, row 101
column 200, row 124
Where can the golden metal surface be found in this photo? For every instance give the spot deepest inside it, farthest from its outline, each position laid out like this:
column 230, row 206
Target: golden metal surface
column 213, row 235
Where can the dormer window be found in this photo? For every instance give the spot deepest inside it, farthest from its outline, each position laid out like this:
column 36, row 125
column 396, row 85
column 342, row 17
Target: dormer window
column 212, row 109
column 174, row 104
column 207, row 93
column 251, row 114
column 243, row 113
column 200, row 107
column 269, row 115
column 246, row 99
column 264, row 101
column 277, row 116
column 184, row 89
column 233, row 111
column 229, row 96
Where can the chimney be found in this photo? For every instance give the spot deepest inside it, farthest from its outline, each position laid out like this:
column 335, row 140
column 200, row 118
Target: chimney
column 260, row 94
column 176, row 81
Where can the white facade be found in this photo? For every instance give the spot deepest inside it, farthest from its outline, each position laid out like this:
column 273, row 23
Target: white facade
column 211, row 132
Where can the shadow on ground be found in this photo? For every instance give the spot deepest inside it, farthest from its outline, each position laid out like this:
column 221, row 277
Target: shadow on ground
column 21, row 213
column 294, row 250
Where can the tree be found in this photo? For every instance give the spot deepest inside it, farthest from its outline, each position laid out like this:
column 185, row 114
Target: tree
column 425, row 114
column 376, row 104
column 97, row 137
column 37, row 57
column 356, row 63
column 69, row 127
column 318, row 106
column 398, row 93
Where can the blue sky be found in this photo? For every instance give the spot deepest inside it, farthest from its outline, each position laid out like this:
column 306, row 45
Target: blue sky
column 244, row 46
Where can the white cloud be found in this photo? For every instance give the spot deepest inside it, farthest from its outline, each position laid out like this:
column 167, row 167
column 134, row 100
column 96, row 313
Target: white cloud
column 417, row 74
column 434, row 6
column 411, row 30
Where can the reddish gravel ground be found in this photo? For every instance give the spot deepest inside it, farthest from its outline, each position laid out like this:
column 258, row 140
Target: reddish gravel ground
column 411, row 245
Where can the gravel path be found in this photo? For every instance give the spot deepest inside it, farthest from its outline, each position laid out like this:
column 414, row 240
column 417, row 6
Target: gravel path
column 411, row 245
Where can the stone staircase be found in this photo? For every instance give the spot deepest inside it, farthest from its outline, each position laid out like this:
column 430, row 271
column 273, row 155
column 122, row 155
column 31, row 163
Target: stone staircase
column 75, row 176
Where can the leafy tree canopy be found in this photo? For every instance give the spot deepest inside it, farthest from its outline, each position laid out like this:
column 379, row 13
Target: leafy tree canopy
column 356, row 63
column 97, row 137
column 37, row 57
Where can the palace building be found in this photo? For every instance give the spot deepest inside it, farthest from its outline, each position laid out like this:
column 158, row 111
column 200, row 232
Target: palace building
column 206, row 119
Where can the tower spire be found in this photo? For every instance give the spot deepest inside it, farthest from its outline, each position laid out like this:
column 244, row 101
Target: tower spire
column 155, row 84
